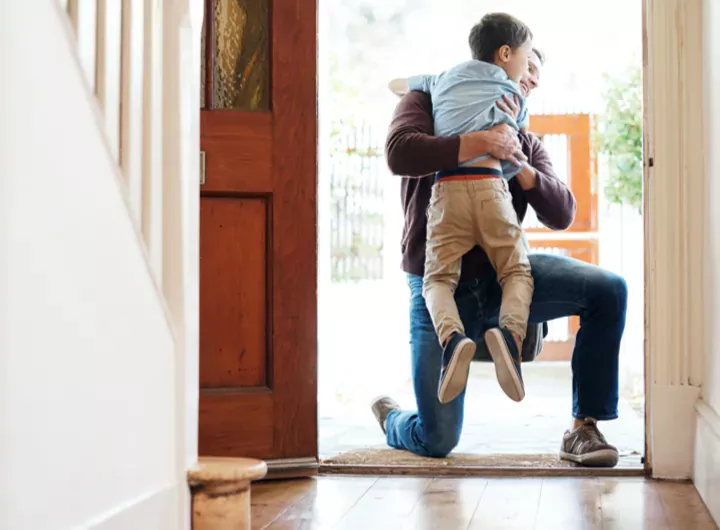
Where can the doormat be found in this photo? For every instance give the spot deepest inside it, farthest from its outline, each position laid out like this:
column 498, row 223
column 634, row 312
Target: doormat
column 403, row 462
column 393, row 457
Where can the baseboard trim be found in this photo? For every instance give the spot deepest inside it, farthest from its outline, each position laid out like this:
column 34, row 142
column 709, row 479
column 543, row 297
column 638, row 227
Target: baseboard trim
column 707, row 458
column 155, row 510
column 672, row 430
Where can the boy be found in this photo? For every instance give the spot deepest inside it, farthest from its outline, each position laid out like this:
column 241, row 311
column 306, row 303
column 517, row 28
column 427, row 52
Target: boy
column 472, row 205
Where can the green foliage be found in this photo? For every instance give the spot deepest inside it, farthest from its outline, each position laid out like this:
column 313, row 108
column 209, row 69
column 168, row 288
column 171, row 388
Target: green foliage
column 619, row 137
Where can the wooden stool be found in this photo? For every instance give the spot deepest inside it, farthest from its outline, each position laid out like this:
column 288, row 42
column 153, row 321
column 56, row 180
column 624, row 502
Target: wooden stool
column 221, row 492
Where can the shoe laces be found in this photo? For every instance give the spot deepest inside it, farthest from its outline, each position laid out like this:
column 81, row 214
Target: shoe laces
column 589, row 432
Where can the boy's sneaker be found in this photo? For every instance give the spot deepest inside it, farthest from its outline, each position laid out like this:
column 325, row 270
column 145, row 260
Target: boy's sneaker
column 381, row 407
column 587, row 446
column 504, row 352
column 458, row 354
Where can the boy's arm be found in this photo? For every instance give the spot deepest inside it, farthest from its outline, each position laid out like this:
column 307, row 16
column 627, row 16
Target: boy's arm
column 399, row 87
column 423, row 83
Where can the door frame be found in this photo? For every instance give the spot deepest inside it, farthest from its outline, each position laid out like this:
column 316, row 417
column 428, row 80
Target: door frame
column 675, row 184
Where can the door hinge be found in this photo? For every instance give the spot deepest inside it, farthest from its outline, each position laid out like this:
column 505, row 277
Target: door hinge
column 202, row 167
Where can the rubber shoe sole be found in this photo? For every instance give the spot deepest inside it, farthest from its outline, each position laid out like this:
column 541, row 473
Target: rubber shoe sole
column 505, row 371
column 457, row 371
column 601, row 458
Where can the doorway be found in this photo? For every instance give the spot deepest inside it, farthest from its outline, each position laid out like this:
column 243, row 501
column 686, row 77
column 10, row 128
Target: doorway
column 585, row 92
column 267, row 285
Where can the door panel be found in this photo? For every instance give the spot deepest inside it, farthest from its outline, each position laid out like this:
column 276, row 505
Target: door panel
column 258, row 322
column 246, row 144
column 236, row 355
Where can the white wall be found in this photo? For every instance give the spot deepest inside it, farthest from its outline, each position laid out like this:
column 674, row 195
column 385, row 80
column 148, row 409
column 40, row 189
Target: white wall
column 707, row 442
column 87, row 367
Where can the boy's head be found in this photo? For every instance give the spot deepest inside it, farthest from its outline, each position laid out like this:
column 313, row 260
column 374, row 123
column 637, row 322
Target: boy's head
column 503, row 40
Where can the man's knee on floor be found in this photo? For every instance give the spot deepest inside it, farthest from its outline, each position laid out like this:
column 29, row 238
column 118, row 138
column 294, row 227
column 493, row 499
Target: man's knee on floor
column 439, row 446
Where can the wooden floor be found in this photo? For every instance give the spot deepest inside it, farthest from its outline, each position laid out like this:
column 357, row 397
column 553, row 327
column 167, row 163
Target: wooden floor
column 369, row 503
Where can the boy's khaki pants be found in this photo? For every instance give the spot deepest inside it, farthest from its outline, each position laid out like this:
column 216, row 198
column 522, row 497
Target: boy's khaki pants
column 463, row 213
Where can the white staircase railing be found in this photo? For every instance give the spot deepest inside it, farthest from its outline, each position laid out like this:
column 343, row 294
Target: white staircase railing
column 119, row 45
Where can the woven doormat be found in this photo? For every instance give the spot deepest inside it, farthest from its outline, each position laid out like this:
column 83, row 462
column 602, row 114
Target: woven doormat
column 393, row 457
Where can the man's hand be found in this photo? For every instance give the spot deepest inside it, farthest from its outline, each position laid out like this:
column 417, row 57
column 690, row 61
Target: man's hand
column 500, row 142
column 527, row 178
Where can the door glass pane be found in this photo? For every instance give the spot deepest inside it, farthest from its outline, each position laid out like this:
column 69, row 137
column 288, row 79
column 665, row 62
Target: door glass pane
column 241, row 69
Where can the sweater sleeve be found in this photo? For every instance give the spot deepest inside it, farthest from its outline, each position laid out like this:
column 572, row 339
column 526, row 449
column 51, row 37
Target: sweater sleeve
column 411, row 149
column 551, row 199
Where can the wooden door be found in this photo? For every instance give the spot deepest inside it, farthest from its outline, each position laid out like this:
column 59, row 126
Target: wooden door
column 258, row 247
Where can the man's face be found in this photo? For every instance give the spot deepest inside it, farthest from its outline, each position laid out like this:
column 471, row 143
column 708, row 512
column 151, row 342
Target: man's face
column 531, row 78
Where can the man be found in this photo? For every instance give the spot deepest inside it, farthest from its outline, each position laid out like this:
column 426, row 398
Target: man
column 563, row 286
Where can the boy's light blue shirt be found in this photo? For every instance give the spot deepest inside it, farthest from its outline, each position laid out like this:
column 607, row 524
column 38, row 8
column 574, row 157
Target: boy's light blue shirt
column 464, row 100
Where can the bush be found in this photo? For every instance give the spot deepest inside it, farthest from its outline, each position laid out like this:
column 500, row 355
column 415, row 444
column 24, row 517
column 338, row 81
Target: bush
column 619, row 137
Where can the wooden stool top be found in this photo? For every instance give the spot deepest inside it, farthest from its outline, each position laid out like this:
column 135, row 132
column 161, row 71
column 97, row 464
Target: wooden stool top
column 216, row 469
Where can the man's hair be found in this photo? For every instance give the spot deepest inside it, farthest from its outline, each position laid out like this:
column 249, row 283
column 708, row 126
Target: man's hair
column 494, row 31
column 540, row 55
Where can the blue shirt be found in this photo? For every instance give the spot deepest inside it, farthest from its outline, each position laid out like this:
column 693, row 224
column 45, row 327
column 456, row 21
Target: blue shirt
column 464, row 100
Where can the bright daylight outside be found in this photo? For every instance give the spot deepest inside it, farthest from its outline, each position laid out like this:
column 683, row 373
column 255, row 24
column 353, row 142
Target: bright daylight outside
column 587, row 111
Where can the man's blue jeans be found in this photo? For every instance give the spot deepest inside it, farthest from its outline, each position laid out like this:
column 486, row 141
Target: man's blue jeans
column 563, row 287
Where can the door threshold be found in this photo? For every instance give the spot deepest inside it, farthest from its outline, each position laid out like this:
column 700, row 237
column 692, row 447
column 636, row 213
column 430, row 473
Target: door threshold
column 478, row 471
column 290, row 468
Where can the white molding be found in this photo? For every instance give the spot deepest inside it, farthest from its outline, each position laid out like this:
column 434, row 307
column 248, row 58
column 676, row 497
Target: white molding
column 706, row 474
column 672, row 424
column 181, row 29
column 675, row 220
column 155, row 510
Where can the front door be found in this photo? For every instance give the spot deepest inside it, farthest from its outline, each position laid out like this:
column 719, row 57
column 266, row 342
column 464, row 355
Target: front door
column 258, row 237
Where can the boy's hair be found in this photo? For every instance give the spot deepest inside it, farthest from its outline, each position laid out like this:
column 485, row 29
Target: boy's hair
column 540, row 55
column 494, row 31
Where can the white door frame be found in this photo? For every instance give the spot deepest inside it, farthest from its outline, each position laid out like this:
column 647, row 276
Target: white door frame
column 675, row 183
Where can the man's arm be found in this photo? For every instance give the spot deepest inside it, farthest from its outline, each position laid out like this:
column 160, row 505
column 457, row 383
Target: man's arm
column 412, row 150
column 551, row 199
